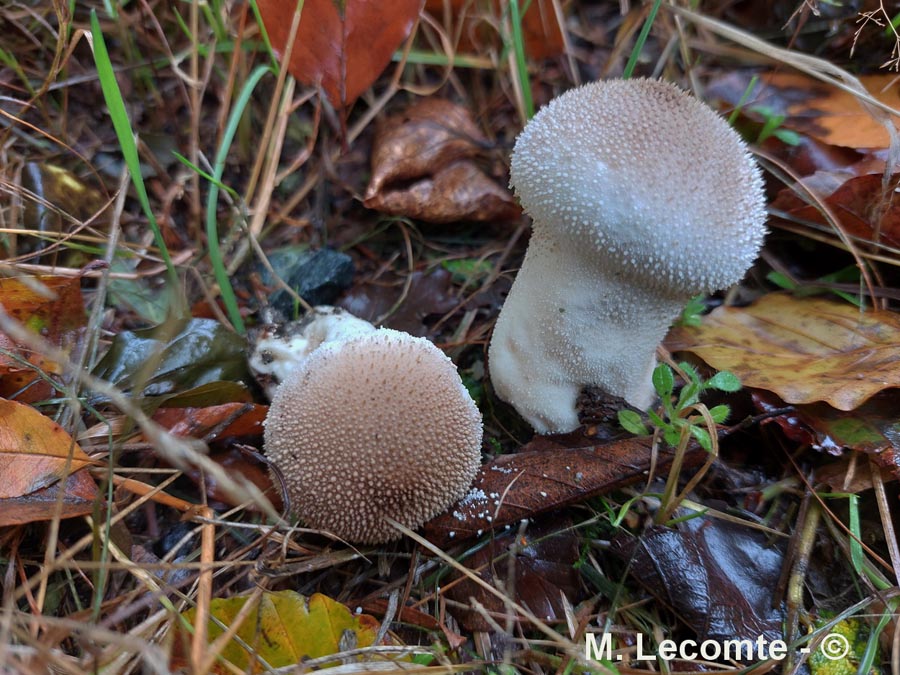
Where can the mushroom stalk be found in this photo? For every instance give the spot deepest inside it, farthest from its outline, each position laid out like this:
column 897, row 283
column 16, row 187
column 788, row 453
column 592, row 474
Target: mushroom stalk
column 596, row 330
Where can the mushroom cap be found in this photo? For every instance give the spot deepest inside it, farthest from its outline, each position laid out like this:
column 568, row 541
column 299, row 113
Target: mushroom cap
column 377, row 425
column 647, row 175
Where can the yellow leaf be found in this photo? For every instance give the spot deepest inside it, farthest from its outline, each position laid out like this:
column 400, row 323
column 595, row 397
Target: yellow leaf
column 803, row 349
column 33, row 450
column 287, row 628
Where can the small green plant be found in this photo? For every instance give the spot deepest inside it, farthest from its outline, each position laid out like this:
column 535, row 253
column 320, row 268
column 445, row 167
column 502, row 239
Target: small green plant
column 682, row 414
column 693, row 310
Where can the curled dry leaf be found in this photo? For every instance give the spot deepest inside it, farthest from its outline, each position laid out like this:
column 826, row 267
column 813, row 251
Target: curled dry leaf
column 548, row 473
column 341, row 46
column 34, row 450
column 422, row 167
column 804, row 350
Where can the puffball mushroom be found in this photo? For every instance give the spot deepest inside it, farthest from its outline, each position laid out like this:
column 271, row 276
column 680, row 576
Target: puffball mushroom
column 373, row 426
column 641, row 197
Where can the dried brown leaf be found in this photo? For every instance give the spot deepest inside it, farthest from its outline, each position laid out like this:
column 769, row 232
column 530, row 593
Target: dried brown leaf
column 548, row 473
column 457, row 192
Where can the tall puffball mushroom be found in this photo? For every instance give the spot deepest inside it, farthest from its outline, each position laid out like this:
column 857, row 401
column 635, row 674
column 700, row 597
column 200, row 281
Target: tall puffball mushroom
column 372, row 426
column 641, row 197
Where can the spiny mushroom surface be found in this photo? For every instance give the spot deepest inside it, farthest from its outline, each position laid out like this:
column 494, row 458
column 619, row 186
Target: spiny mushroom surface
column 641, row 197
column 376, row 425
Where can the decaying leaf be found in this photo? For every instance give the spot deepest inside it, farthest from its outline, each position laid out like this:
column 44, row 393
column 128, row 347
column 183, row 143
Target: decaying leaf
column 400, row 307
column 341, row 46
column 34, row 450
column 830, row 114
column 718, row 576
column 237, row 463
column 862, row 205
column 174, row 357
column 49, row 306
column 79, row 498
column 543, row 570
column 284, row 630
column 872, row 428
column 804, row 350
column 422, row 167
column 548, row 473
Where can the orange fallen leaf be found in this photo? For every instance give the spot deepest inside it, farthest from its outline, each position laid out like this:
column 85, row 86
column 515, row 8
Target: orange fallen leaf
column 804, row 350
column 830, row 114
column 33, row 450
column 342, row 46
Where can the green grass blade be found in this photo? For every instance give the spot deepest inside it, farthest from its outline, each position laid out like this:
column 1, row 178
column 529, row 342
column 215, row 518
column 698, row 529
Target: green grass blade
column 116, row 106
column 515, row 18
column 642, row 39
column 212, row 224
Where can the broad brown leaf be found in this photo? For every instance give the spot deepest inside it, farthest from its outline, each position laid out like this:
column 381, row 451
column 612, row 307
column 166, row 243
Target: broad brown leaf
column 33, row 450
column 804, row 350
column 718, row 576
column 816, row 109
column 548, row 473
column 341, row 45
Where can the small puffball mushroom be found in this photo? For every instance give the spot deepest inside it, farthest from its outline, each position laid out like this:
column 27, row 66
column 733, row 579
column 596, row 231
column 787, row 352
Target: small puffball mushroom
column 377, row 425
column 641, row 197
